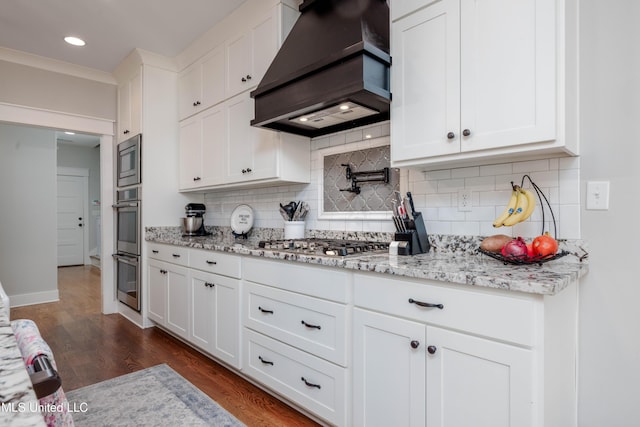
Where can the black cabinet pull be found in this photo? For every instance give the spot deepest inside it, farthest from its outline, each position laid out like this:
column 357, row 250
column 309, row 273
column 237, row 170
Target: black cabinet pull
column 154, row 251
column 79, row 225
column 432, row 349
column 176, row 255
column 211, row 262
column 197, row 178
column 466, row 132
column 451, row 135
column 80, row 219
column 425, row 304
column 243, row 80
column 266, row 362
column 163, row 271
column 248, row 76
column 209, row 285
column 126, row 132
column 265, row 311
column 310, row 384
column 244, row 171
column 309, row 325
column 248, row 170
column 415, row 344
column 195, row 104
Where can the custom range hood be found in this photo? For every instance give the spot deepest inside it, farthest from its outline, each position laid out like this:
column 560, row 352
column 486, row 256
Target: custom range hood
column 332, row 71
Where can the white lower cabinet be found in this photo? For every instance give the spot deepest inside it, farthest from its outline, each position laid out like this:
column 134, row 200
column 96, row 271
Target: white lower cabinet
column 311, row 382
column 188, row 298
column 214, row 315
column 389, row 374
column 477, row 381
column 169, row 296
column 296, row 333
column 439, row 375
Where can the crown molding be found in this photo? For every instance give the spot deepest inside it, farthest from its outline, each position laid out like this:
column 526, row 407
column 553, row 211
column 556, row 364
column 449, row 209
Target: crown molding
column 44, row 63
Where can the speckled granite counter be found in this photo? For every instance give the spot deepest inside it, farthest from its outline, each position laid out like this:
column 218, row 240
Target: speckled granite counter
column 19, row 406
column 453, row 259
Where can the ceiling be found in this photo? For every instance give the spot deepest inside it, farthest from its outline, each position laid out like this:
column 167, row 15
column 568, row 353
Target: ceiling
column 111, row 28
column 78, row 139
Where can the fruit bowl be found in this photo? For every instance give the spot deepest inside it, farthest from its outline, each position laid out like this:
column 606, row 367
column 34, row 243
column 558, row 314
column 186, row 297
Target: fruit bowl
column 523, row 260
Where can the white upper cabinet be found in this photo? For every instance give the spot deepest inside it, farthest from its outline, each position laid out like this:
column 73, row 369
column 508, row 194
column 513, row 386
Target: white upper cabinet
column 202, row 84
column 130, row 107
column 248, row 55
column 477, row 80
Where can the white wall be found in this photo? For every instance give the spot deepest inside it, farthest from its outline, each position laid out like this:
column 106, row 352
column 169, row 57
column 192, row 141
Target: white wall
column 609, row 344
column 28, row 245
column 73, row 156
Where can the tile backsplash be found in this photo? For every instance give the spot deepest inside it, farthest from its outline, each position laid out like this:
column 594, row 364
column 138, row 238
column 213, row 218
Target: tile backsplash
column 435, row 193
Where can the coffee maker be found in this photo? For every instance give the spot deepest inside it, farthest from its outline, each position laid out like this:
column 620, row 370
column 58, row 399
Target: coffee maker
column 193, row 224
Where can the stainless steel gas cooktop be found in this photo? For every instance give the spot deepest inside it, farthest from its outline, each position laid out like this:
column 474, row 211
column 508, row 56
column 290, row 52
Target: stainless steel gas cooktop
column 326, row 247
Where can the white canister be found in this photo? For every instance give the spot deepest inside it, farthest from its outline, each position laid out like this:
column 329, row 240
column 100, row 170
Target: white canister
column 294, row 230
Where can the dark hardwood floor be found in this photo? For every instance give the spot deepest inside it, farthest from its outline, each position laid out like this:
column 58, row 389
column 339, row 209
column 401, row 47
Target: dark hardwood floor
column 90, row 347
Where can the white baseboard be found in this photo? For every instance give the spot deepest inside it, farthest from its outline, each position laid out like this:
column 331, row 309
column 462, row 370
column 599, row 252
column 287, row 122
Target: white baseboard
column 34, row 298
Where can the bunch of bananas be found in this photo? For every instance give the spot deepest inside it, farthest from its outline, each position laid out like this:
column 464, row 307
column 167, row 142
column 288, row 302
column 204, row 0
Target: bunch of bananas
column 520, row 207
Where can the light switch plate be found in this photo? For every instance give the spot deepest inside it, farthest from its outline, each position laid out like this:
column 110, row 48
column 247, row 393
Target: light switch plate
column 464, row 201
column 597, row 195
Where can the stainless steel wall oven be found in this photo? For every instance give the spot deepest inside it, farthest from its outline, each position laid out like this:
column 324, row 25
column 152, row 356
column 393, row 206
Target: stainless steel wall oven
column 128, row 159
column 128, row 246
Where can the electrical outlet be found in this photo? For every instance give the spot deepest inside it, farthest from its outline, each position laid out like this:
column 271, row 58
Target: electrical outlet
column 464, row 200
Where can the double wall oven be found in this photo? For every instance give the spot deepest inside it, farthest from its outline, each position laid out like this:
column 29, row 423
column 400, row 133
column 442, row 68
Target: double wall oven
column 128, row 221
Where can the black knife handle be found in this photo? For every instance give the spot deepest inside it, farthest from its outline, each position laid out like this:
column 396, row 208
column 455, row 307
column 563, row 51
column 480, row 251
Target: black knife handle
column 413, row 208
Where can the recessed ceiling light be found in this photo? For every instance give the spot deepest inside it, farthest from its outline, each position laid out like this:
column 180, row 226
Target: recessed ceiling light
column 303, row 119
column 344, row 107
column 368, row 136
column 74, row 41
column 70, row 133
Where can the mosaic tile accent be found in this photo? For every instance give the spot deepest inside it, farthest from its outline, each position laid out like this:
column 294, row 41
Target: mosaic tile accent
column 374, row 196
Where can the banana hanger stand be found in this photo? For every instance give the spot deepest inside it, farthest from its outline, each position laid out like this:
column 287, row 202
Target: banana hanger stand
column 536, row 260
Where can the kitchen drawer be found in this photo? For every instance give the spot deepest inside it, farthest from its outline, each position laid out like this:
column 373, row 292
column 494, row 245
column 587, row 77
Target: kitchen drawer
column 169, row 253
column 321, row 282
column 315, row 384
column 490, row 314
column 310, row 324
column 215, row 262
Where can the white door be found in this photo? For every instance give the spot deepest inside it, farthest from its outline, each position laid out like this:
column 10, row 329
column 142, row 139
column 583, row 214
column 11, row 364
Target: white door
column 479, row 382
column 72, row 196
column 389, row 371
column 426, row 82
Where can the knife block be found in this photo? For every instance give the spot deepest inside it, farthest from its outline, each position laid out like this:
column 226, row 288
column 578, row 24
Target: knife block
column 416, row 237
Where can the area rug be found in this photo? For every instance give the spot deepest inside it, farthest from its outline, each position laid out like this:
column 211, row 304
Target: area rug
column 157, row 396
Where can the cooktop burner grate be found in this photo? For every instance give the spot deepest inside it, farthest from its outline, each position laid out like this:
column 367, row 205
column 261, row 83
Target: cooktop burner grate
column 328, row 247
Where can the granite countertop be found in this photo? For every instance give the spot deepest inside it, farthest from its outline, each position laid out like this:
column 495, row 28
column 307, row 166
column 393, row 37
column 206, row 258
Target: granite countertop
column 19, row 402
column 453, row 259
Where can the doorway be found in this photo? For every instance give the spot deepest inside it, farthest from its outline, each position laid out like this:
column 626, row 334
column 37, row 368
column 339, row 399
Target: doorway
column 72, row 211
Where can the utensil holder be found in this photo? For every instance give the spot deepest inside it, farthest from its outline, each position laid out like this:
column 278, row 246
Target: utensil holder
column 293, row 230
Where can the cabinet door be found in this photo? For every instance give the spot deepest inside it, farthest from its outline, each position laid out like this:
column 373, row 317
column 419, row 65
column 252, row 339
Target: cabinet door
column 156, row 308
column 226, row 321
column 202, row 307
column 130, row 108
column 425, row 111
column 264, row 46
column 213, row 78
column 252, row 152
column 190, row 153
column 189, row 90
column 124, row 111
column 214, row 145
column 388, row 373
column 476, row 381
column 238, row 55
column 178, row 300
column 508, row 72
column 135, row 99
